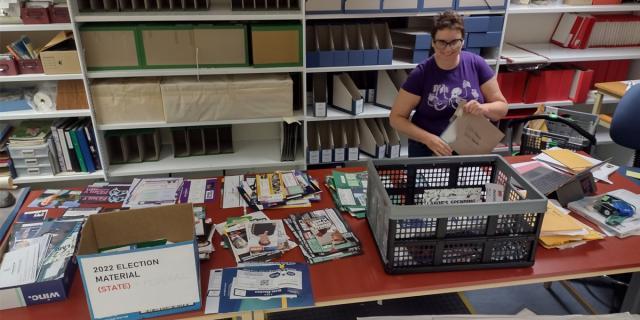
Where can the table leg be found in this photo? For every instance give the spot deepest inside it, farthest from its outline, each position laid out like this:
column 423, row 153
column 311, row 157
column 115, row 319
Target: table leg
column 631, row 302
column 258, row 315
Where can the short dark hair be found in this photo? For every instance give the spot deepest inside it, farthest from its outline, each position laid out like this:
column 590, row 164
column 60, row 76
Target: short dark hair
column 448, row 19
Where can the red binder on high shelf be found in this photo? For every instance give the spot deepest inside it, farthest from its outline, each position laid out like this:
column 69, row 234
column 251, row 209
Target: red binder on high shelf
column 566, row 29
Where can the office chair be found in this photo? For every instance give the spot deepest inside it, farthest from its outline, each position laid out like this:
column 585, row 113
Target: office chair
column 624, row 124
column 534, row 141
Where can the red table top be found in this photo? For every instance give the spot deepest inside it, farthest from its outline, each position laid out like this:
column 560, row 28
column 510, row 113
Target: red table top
column 362, row 278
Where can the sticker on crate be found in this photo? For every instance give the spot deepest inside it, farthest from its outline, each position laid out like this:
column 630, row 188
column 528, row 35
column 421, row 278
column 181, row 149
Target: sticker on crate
column 494, row 192
column 452, row 196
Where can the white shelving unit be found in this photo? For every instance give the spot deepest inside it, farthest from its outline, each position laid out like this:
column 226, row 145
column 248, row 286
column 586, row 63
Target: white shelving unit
column 297, row 116
column 40, row 77
column 62, row 177
column 19, row 115
column 247, row 154
column 555, row 53
column 525, row 26
column 187, row 72
column 559, row 8
column 36, row 27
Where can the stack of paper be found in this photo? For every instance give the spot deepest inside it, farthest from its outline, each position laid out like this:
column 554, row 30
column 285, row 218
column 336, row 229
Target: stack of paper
column 204, row 232
column 280, row 189
column 628, row 227
column 152, row 192
column 254, row 237
column 259, row 287
column 323, row 235
column 349, row 192
column 560, row 230
column 572, row 162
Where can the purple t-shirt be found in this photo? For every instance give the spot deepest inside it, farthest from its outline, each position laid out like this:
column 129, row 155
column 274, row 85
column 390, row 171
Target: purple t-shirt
column 442, row 89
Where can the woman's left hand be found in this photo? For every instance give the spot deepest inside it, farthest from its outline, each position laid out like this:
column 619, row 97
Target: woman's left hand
column 474, row 107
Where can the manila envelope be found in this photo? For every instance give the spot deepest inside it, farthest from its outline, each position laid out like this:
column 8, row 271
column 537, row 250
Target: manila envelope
column 471, row 134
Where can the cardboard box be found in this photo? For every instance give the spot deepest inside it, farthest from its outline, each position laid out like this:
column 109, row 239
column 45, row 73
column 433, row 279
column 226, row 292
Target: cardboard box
column 60, row 56
column 400, row 5
column 480, row 4
column 109, row 47
column 276, row 45
column 33, row 293
column 221, row 45
column 476, row 24
column 495, row 23
column 140, row 282
column 127, row 100
column 167, row 45
column 323, row 6
column 437, row 5
column 483, row 40
column 362, row 6
column 71, row 95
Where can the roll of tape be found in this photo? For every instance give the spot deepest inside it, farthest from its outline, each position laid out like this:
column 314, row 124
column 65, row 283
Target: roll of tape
column 43, row 101
column 6, row 183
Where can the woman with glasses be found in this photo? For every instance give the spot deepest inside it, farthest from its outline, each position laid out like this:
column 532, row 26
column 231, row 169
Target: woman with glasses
column 449, row 79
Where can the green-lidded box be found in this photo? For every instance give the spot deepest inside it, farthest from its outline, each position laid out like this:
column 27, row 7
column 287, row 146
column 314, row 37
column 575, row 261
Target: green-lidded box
column 221, row 45
column 168, row 45
column 111, row 46
column 276, row 45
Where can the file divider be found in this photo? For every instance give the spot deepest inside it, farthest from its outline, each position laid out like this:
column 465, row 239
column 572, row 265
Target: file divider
column 385, row 44
column 355, row 45
column 346, row 96
column 313, row 144
column 371, row 139
column 319, row 88
column 312, row 47
column 324, row 46
column 326, row 142
column 370, row 43
column 339, row 45
column 350, row 127
column 339, row 141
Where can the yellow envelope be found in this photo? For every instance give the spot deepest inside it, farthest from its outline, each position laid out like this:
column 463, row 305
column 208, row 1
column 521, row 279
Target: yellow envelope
column 570, row 159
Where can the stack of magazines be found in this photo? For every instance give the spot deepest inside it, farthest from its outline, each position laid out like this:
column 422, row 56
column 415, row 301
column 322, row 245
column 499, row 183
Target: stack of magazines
column 630, row 226
column 254, row 237
column 349, row 191
column 323, row 235
column 280, row 189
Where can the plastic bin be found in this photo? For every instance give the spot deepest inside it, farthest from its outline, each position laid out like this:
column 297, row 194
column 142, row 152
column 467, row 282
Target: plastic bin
column 413, row 237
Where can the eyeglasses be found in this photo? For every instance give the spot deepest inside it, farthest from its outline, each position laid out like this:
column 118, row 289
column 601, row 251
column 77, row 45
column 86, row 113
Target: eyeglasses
column 442, row 44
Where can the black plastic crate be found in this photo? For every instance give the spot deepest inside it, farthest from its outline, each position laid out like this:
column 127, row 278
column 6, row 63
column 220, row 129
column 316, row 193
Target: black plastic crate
column 414, row 237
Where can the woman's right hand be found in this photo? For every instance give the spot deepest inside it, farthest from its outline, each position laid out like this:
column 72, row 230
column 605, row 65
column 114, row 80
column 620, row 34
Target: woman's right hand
column 437, row 145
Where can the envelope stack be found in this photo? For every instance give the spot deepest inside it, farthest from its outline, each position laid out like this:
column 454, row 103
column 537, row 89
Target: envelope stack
column 560, row 230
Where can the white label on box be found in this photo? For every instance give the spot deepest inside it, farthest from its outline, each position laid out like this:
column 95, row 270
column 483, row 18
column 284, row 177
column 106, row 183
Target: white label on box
column 359, row 106
column 395, row 151
column 326, row 155
column 353, row 153
column 338, row 154
column 371, row 95
column 141, row 281
column 452, row 196
column 314, row 157
column 321, row 109
column 495, row 192
column 11, row 298
column 381, row 150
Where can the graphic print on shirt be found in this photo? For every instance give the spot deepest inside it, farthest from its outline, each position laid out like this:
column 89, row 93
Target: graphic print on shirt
column 442, row 97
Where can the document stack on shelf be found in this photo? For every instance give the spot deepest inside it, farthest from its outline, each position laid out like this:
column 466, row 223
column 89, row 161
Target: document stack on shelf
column 323, row 235
column 280, row 189
column 560, row 230
column 349, row 192
column 259, row 287
column 254, row 237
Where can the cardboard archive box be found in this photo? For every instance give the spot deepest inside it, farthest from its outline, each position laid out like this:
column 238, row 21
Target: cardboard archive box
column 110, row 47
column 127, row 100
column 276, row 45
column 59, row 56
column 140, row 282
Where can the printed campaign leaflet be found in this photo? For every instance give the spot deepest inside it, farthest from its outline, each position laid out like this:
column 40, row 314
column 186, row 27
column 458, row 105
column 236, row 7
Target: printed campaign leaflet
column 258, row 287
column 152, row 192
column 104, row 193
column 57, row 198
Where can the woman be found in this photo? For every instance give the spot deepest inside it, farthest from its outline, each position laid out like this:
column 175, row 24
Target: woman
column 437, row 86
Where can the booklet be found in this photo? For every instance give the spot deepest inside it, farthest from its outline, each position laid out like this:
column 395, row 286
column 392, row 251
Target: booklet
column 259, row 287
column 57, row 198
column 104, row 193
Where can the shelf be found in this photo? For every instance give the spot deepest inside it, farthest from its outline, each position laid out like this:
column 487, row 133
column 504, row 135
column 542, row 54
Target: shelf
column 297, row 115
column 395, row 65
column 555, row 53
column 187, row 72
column 557, row 8
column 61, row 177
column 560, row 103
column 217, row 14
column 36, row 27
column 321, row 16
column 370, row 111
column 248, row 154
column 40, row 77
column 17, row 115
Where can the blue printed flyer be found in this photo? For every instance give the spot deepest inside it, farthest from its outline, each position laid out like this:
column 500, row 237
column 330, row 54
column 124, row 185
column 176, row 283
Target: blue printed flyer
column 259, row 287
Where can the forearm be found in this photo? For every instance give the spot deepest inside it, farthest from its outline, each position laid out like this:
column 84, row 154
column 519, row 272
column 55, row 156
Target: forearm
column 495, row 110
column 406, row 127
